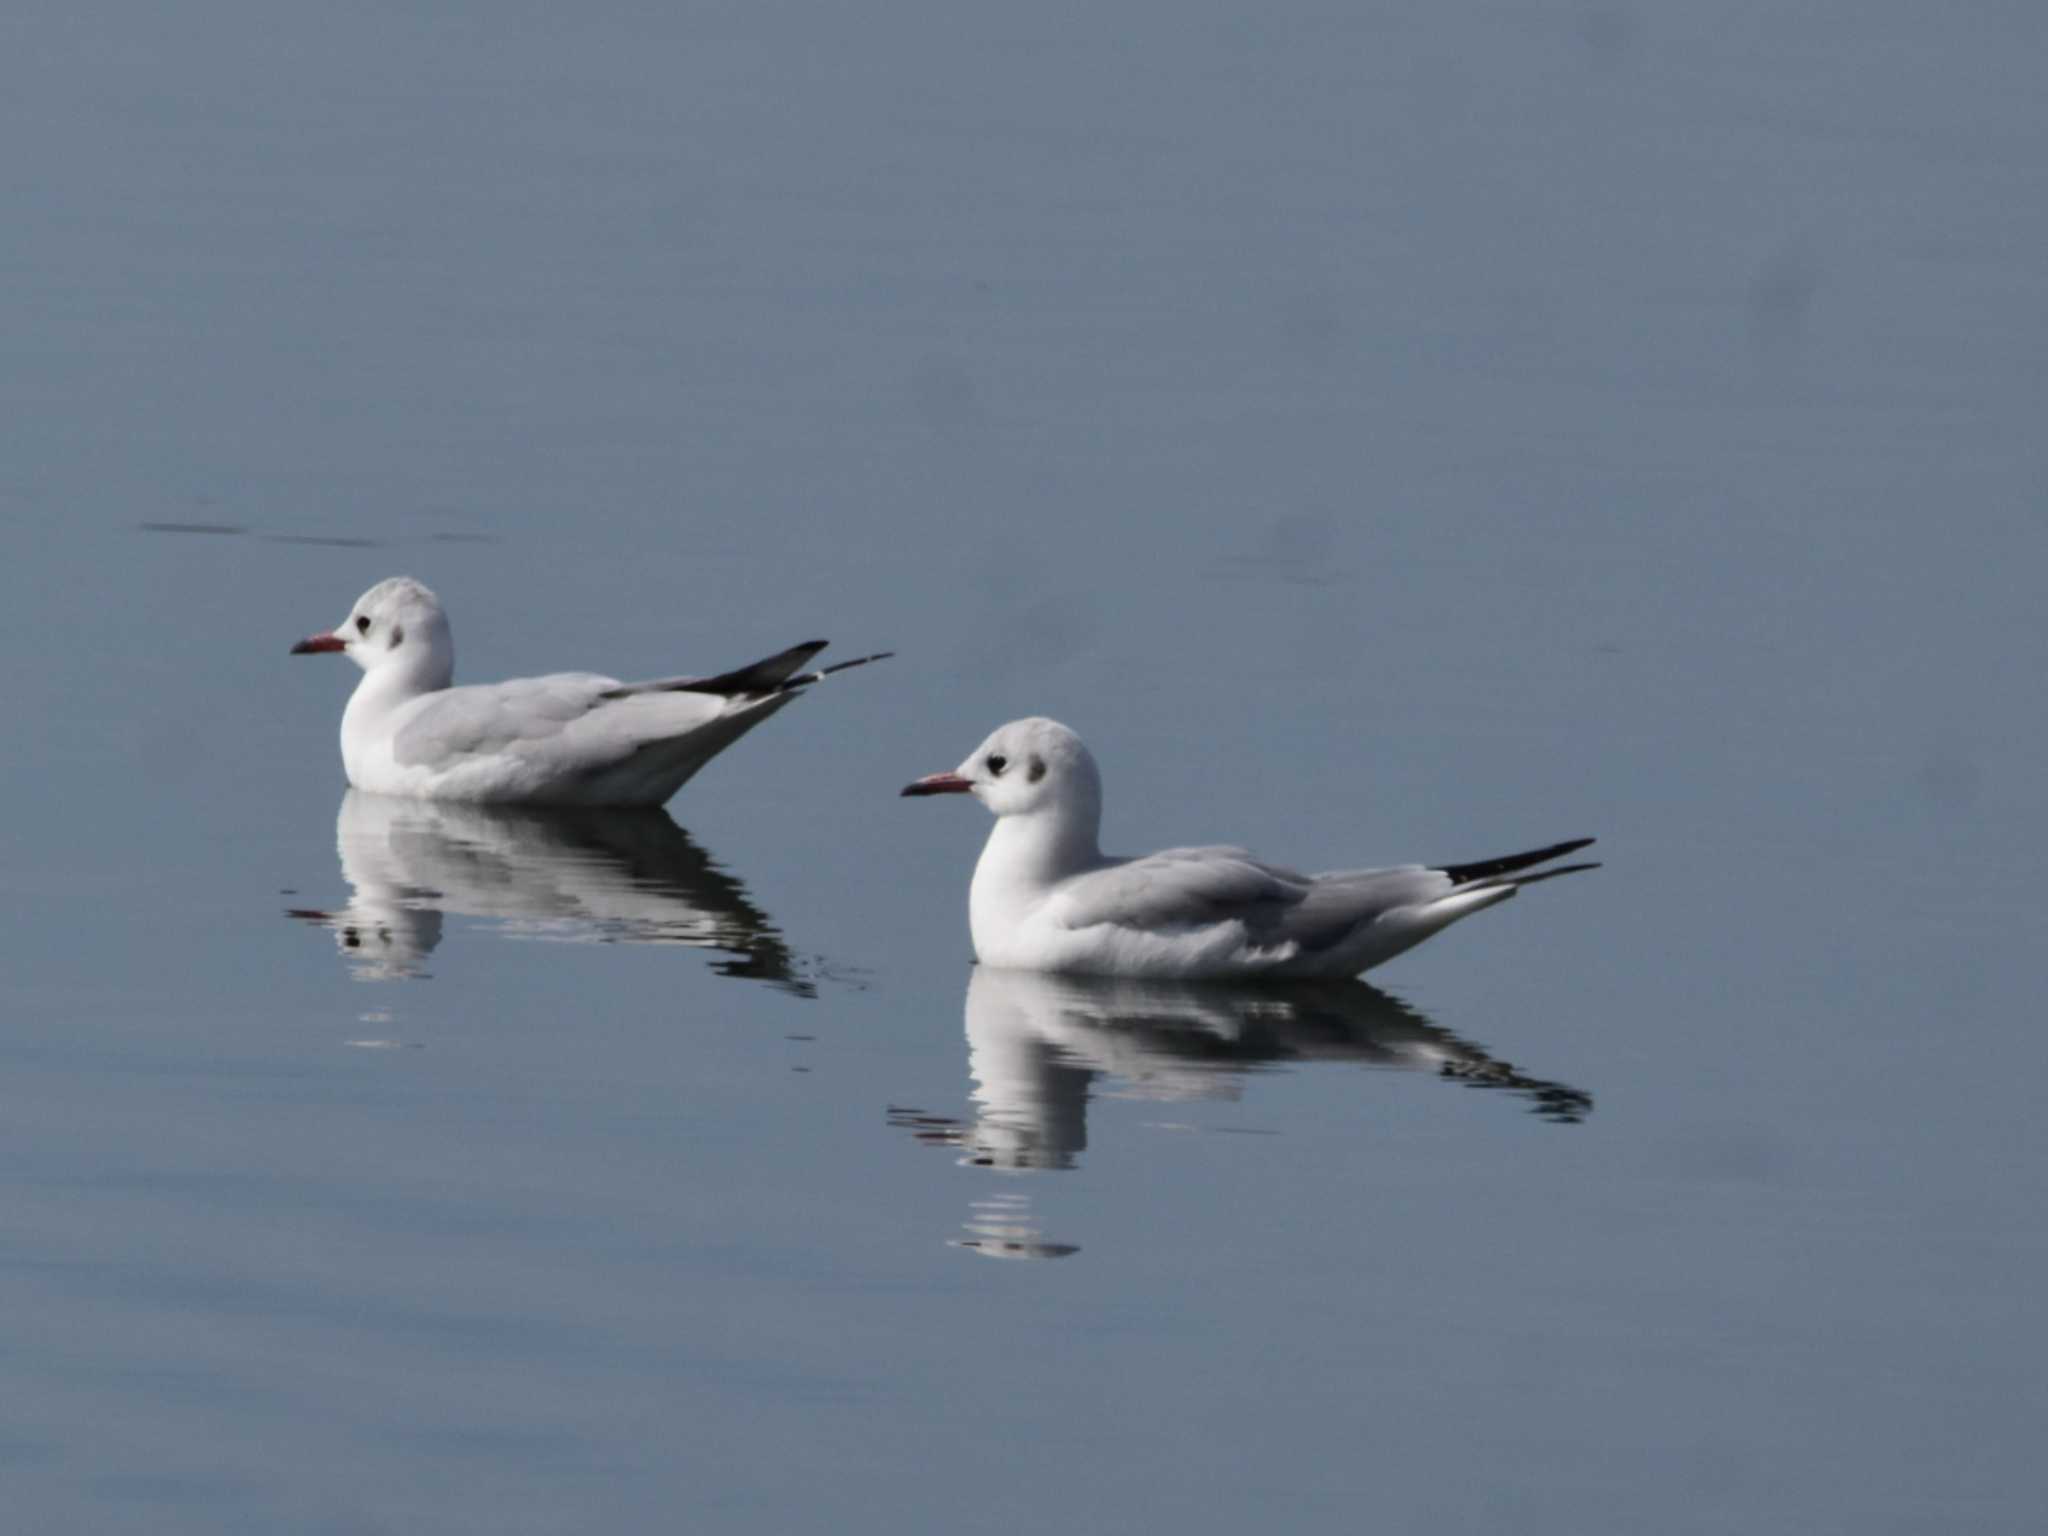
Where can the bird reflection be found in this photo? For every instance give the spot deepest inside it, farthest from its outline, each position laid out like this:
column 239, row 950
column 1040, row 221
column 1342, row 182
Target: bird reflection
column 1040, row 1046
column 594, row 876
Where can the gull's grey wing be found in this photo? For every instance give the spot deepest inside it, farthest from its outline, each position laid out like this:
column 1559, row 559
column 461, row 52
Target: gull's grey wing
column 580, row 738
column 491, row 718
column 1183, row 888
column 1425, row 897
column 1340, row 904
column 1191, row 888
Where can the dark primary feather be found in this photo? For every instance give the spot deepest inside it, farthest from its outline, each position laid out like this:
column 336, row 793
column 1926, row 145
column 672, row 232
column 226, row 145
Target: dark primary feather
column 838, row 666
column 775, row 674
column 1490, row 869
column 764, row 676
column 1549, row 874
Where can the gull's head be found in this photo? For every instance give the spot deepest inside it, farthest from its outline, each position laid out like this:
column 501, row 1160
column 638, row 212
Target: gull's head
column 1026, row 768
column 398, row 623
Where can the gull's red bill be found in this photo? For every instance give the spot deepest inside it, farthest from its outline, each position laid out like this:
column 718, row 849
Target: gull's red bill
column 316, row 643
column 939, row 784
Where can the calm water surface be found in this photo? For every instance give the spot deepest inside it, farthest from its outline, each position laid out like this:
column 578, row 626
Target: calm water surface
column 1385, row 433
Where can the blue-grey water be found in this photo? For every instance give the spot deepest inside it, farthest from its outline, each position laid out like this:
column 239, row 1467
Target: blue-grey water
column 1386, row 432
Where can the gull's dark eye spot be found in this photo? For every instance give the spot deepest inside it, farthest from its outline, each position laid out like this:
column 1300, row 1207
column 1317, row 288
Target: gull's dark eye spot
column 362, row 623
column 997, row 763
column 1037, row 768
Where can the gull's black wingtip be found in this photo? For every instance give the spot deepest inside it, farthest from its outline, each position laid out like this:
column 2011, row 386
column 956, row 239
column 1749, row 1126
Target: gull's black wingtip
column 1551, row 874
column 771, row 674
column 1491, row 869
column 841, row 666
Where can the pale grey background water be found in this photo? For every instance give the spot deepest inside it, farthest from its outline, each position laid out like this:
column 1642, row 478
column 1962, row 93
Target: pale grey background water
column 1384, row 431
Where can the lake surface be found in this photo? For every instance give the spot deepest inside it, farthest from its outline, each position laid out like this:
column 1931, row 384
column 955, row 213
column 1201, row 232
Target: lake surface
column 1386, row 433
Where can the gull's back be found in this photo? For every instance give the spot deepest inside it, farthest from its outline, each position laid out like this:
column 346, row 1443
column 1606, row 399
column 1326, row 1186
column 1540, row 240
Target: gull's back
column 569, row 738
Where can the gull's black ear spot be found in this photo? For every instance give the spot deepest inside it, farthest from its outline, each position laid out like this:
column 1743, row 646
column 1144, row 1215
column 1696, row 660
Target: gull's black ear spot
column 1037, row 770
column 397, row 635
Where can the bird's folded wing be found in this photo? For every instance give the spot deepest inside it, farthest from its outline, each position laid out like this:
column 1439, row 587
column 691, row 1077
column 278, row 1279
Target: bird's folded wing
column 497, row 717
column 1183, row 888
column 1338, row 905
column 1189, row 888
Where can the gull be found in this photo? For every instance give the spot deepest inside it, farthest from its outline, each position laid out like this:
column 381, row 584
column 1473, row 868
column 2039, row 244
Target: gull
column 569, row 738
column 1045, row 898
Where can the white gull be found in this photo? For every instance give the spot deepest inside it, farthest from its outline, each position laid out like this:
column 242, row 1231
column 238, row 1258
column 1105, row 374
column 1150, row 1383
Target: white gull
column 1045, row 898
column 569, row 738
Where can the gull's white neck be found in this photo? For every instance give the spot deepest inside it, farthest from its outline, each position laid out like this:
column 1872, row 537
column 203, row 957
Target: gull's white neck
column 383, row 690
column 1024, row 860
column 1041, row 847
